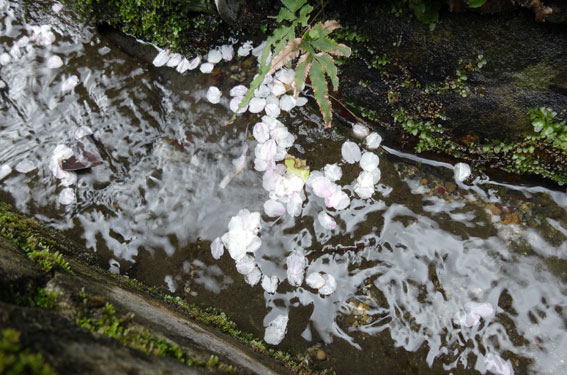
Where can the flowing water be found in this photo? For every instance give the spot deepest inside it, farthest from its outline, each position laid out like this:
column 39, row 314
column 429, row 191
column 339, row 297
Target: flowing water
column 408, row 261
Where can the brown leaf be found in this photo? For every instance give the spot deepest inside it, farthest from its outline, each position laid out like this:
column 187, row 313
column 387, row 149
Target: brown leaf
column 288, row 53
column 338, row 52
column 85, row 155
column 331, row 25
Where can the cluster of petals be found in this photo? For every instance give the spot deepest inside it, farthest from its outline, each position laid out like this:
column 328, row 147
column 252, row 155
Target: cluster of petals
column 182, row 64
column 472, row 313
column 284, row 188
column 41, row 35
column 61, row 153
column 332, row 193
column 323, row 282
column 242, row 237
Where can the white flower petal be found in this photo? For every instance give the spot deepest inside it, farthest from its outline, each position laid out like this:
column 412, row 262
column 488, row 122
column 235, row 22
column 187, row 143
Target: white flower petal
column 25, row 166
column 295, row 268
column 57, row 7
column 360, row 130
column 214, row 56
column 285, row 76
column 183, row 66
column 339, row 200
column 261, row 132
column 333, row 172
column 301, row 101
column 256, row 105
column 364, row 192
column 213, row 94
column 266, row 150
column 235, row 103
column 272, row 110
column 245, row 48
column 239, row 90
column 350, row 152
column 287, row 103
column 373, row 141
column 54, row 62
column 270, row 284
column 315, row 280
column 262, row 92
column 330, row 285
column 217, row 248
column 484, row 310
column 276, row 331
column 245, row 265
column 5, row 58
column 206, row 67
column 174, row 60
column 326, row 220
column 194, row 63
column 376, row 175
column 462, row 171
column 274, row 208
column 496, row 365
column 70, row 83
column 227, row 52
column 67, row 196
column 294, row 204
column 278, row 89
column 369, row 161
column 5, row 170
column 253, row 277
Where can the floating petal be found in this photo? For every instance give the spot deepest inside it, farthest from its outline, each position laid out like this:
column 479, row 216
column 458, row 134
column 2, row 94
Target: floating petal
column 326, row 220
column 206, row 67
column 287, row 103
column 262, row 92
column 214, row 56
column 274, row 208
column 360, row 130
column 183, row 66
column 174, row 60
column 235, row 103
column 295, row 266
column 213, row 95
column 276, row 331
column 496, row 365
column 278, row 89
column 57, row 7
column 253, row 277
column 245, row 49
column 301, row 101
column 227, row 52
column 256, row 105
column 54, row 62
column 25, row 166
column 217, row 248
column 350, row 152
column 272, row 110
column 369, row 161
column 270, row 284
column 67, row 196
column 70, row 83
column 294, row 204
column 261, row 132
column 5, row 170
column 194, row 63
column 462, row 172
column 245, row 265
column 373, row 141
column 239, row 90
column 333, row 172
column 315, row 280
column 330, row 285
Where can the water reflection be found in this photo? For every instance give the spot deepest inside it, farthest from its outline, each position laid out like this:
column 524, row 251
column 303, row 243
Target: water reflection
column 406, row 261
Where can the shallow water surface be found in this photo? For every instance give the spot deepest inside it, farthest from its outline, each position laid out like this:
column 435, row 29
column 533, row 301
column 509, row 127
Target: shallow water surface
column 408, row 261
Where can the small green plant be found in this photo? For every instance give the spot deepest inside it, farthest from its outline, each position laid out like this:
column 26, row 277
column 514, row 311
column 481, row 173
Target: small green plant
column 45, row 298
column 16, row 360
column 548, row 128
column 312, row 51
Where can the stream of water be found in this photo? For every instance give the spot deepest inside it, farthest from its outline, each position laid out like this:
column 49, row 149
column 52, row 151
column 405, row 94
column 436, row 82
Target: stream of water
column 415, row 264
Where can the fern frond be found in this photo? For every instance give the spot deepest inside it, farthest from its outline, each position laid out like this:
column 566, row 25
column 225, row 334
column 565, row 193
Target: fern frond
column 287, row 54
column 328, row 64
column 301, row 72
column 321, row 91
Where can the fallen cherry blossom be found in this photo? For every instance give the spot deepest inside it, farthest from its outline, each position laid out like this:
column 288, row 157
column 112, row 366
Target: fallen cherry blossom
column 5, row 170
column 276, row 330
column 261, row 132
column 217, row 248
column 67, row 196
column 350, row 152
column 274, row 208
column 253, row 277
column 206, row 67
column 369, row 161
column 70, row 83
column 496, row 365
column 296, row 263
column 373, row 141
column 214, row 56
column 194, row 63
column 326, row 220
column 213, row 95
column 25, row 166
column 270, row 284
column 360, row 130
column 227, row 52
column 54, row 62
column 462, row 172
column 256, row 105
column 333, row 172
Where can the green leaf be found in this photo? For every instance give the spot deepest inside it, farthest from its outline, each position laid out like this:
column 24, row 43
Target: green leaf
column 329, row 45
column 314, row 34
column 304, row 15
column 301, row 71
column 476, row 3
column 330, row 68
column 293, row 5
column 321, row 91
column 285, row 15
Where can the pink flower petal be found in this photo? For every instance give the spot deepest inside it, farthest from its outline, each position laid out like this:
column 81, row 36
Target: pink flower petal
column 217, row 248
column 326, row 220
column 350, row 152
column 274, row 208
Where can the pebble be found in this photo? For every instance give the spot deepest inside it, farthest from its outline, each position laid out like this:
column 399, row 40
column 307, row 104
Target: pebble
column 321, row 355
